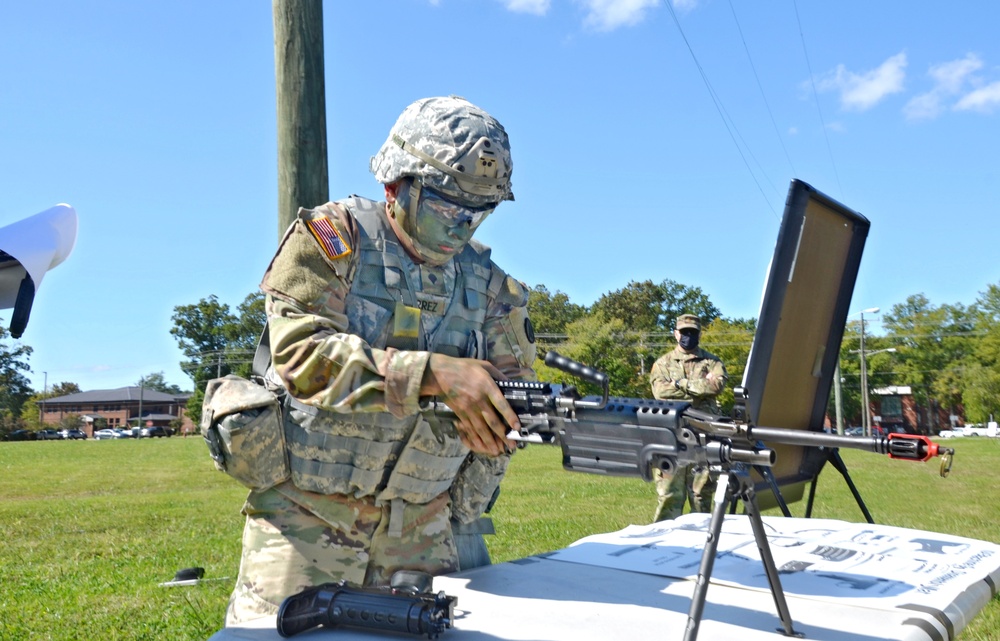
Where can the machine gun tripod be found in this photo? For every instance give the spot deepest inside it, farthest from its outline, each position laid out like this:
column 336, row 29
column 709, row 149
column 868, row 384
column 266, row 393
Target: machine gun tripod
column 736, row 485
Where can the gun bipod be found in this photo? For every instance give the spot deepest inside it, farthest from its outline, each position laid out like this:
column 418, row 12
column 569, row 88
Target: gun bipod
column 736, row 484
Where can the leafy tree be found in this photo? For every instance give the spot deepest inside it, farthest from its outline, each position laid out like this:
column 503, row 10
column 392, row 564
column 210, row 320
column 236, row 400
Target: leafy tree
column 176, row 425
column 936, row 342
column 69, row 422
column 551, row 312
column 200, row 331
column 15, row 388
column 981, row 389
column 655, row 307
column 157, row 382
column 31, row 410
column 730, row 339
column 600, row 344
column 216, row 342
column 30, row 418
column 850, row 377
column 244, row 334
column 63, row 389
column 648, row 312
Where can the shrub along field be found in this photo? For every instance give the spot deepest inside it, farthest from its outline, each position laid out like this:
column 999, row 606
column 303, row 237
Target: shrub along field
column 90, row 529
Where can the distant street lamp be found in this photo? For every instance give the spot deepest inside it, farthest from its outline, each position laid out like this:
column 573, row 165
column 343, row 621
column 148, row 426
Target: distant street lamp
column 864, row 390
column 866, row 420
column 45, row 391
column 864, row 379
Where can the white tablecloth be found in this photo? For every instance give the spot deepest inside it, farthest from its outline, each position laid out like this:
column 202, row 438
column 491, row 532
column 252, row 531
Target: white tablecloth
column 843, row 581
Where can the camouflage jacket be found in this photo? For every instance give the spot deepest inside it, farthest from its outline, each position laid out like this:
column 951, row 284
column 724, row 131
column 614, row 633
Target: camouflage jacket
column 683, row 376
column 352, row 324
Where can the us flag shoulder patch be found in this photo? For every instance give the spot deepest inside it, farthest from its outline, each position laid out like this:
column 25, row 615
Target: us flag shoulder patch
column 333, row 244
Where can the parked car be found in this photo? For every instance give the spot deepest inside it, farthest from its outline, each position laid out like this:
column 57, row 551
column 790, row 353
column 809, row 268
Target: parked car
column 975, row 430
column 120, row 433
column 157, row 430
column 73, row 434
column 49, row 435
column 105, row 434
column 21, row 435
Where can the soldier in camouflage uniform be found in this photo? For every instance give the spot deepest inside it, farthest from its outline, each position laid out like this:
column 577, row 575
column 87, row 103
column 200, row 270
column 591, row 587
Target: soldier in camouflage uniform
column 371, row 306
column 687, row 373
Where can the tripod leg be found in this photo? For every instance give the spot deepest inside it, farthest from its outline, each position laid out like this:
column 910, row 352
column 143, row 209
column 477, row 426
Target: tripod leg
column 768, row 475
column 812, row 496
column 723, row 496
column 752, row 511
column 840, row 466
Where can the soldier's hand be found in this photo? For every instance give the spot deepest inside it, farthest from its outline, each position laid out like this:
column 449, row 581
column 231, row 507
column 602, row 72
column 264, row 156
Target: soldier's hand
column 484, row 417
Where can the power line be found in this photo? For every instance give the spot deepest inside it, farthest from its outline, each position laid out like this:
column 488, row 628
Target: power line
column 761, row 88
column 726, row 120
column 812, row 80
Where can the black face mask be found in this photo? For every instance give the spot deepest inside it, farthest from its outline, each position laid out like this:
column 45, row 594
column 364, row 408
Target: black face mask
column 689, row 342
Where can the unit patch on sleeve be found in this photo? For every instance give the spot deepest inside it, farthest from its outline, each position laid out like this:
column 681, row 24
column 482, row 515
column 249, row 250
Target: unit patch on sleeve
column 333, row 244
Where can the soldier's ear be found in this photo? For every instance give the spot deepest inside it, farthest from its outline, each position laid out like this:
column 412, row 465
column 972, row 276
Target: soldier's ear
column 391, row 189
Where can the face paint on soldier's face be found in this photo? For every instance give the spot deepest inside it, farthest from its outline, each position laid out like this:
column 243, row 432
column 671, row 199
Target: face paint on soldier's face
column 439, row 230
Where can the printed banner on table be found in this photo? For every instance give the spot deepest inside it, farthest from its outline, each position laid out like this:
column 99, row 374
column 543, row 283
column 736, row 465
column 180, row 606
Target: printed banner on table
column 882, row 566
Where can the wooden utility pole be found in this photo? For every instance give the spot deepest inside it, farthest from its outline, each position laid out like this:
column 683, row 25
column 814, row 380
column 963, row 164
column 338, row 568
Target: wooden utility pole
column 303, row 175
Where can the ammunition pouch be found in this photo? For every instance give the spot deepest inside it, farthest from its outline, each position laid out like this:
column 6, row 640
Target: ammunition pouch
column 242, row 425
column 477, row 486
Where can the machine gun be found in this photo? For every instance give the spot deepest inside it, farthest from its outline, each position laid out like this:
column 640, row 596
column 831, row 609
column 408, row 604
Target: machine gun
column 620, row 436
column 406, row 605
column 633, row 436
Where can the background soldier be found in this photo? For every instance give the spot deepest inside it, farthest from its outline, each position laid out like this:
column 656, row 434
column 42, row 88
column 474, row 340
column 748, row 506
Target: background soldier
column 687, row 373
column 372, row 305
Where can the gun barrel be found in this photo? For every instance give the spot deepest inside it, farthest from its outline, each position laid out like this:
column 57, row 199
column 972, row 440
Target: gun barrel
column 912, row 447
column 806, row 438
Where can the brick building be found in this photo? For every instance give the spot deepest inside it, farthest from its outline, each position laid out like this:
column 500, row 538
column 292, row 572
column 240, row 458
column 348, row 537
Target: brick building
column 122, row 407
column 894, row 406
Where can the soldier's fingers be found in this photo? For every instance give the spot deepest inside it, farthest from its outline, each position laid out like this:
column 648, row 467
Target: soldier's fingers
column 498, row 430
column 505, row 412
column 471, row 442
column 479, row 434
column 492, row 370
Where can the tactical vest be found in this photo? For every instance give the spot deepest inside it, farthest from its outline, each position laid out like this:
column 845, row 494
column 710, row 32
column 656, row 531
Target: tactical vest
column 414, row 458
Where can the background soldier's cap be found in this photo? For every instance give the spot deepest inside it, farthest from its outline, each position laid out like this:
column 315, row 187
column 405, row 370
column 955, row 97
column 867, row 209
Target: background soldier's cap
column 688, row 321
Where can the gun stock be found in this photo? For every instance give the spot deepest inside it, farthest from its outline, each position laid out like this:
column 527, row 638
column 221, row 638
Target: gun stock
column 380, row 608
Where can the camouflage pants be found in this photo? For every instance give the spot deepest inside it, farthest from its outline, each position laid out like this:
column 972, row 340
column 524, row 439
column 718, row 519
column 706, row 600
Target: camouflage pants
column 690, row 483
column 295, row 539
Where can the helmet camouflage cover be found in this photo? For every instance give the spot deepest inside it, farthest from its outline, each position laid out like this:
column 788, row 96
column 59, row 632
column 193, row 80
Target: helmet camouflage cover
column 453, row 147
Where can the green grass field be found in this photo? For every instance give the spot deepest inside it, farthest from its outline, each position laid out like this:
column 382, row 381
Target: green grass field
column 90, row 529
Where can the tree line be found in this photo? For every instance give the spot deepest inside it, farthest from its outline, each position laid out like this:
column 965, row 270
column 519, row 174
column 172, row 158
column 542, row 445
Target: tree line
column 948, row 354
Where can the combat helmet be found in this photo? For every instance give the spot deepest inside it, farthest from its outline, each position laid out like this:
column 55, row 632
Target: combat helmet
column 453, row 147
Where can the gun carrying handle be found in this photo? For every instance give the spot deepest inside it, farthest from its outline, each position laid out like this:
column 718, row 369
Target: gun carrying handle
column 579, row 370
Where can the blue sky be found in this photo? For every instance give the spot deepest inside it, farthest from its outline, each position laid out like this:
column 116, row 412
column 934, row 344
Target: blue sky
column 156, row 121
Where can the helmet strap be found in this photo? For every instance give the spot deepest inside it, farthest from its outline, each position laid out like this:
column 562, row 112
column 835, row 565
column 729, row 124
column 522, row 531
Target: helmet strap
column 484, row 181
column 415, row 188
